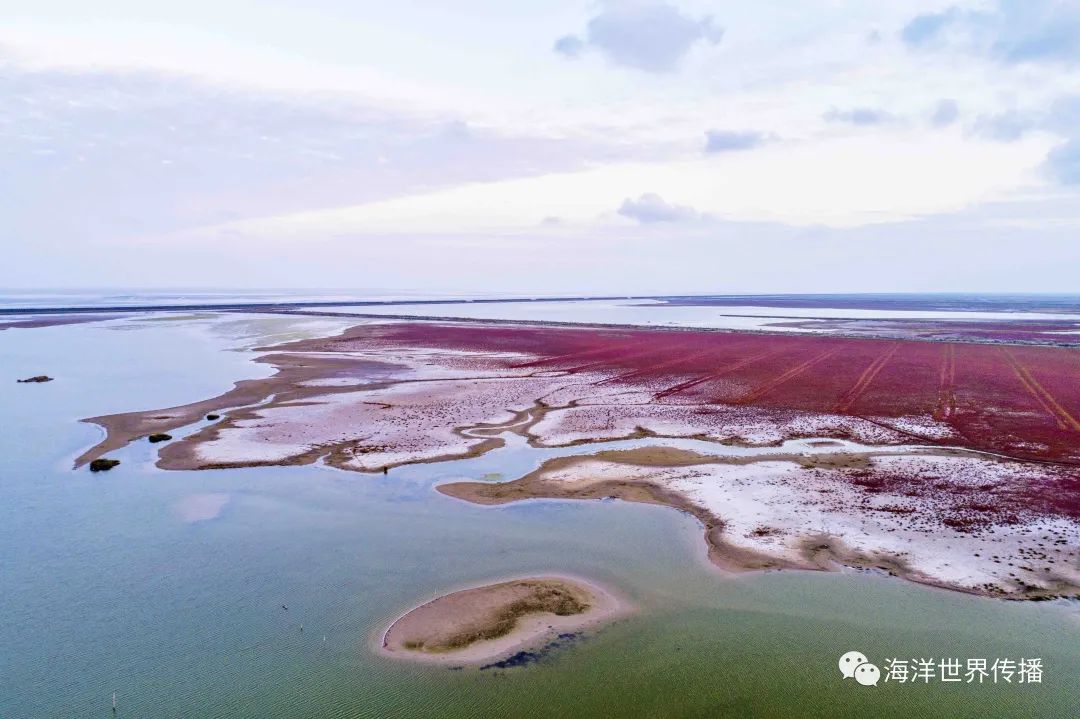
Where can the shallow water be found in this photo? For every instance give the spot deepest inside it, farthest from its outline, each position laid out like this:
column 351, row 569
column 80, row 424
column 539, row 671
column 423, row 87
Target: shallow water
column 653, row 312
column 108, row 586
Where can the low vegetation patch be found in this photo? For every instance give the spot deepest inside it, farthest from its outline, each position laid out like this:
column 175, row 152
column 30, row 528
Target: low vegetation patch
column 555, row 600
column 103, row 464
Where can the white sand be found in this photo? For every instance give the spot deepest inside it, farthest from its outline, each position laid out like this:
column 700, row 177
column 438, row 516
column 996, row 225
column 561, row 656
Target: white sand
column 770, row 506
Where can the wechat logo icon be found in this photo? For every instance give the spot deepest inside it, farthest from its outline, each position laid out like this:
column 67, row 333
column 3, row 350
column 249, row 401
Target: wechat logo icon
column 855, row 665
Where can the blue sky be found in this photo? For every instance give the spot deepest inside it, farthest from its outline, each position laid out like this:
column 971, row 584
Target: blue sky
column 622, row 146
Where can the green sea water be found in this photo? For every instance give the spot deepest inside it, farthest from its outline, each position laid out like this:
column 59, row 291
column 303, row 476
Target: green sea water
column 104, row 587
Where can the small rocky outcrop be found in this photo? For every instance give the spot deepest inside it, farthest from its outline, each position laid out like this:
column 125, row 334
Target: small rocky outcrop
column 212, row 417
column 38, row 378
column 159, row 437
column 103, row 464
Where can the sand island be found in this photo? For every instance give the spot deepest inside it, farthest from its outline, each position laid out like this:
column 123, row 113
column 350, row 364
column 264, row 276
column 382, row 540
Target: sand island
column 482, row 623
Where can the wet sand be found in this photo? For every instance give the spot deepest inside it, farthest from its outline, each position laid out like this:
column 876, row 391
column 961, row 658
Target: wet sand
column 483, row 623
column 51, row 321
column 287, row 384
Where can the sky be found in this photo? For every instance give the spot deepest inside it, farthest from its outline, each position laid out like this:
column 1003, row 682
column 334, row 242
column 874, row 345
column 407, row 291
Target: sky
column 554, row 146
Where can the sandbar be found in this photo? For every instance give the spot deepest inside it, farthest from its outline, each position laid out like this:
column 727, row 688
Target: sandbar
column 873, row 510
column 479, row 624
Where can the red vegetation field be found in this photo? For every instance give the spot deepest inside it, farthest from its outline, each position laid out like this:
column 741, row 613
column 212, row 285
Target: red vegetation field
column 1022, row 401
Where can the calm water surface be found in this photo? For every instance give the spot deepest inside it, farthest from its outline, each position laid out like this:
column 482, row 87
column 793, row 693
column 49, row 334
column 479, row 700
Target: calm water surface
column 107, row 587
column 653, row 312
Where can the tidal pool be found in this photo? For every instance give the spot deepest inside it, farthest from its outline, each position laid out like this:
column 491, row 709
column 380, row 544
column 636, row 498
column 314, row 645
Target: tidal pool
column 107, row 588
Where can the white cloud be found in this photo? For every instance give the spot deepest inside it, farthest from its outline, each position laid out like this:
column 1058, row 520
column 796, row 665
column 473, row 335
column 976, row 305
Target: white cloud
column 650, row 208
column 1063, row 163
column 945, row 113
column 1008, row 31
column 732, row 140
column 649, row 36
column 353, row 127
column 844, row 182
column 858, row 116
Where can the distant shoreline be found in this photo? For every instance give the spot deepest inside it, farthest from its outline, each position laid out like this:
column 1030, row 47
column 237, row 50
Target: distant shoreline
column 793, row 324
column 930, row 301
column 285, row 306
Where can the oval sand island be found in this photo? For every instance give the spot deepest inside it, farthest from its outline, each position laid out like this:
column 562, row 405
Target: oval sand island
column 482, row 623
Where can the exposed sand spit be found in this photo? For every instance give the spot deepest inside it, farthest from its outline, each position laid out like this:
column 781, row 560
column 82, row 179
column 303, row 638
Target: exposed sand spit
column 949, row 521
